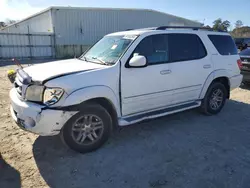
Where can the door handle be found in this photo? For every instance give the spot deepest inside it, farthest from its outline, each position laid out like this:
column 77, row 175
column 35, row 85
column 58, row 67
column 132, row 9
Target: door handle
column 165, row 72
column 207, row 66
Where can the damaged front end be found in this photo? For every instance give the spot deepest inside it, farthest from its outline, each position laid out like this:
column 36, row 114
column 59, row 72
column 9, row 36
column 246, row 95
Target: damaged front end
column 29, row 109
column 21, row 82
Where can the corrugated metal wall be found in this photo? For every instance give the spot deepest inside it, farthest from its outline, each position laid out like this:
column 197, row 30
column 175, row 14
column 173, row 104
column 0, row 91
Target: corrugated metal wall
column 75, row 29
column 13, row 45
column 39, row 23
column 80, row 26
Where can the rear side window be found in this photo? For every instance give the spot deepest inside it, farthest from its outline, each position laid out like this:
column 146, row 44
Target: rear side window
column 224, row 44
column 185, row 47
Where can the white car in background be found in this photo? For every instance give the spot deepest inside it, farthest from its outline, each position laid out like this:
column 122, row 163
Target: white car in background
column 125, row 78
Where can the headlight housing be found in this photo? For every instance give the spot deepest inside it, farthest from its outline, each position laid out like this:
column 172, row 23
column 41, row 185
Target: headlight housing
column 34, row 93
column 52, row 95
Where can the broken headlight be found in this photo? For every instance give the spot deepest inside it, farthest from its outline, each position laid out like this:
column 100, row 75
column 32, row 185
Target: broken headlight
column 52, row 95
column 34, row 93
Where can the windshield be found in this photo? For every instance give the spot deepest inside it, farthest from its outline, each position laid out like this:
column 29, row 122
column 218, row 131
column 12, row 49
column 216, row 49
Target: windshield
column 245, row 52
column 109, row 49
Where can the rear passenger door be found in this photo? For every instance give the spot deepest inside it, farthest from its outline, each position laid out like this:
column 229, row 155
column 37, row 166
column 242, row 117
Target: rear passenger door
column 189, row 64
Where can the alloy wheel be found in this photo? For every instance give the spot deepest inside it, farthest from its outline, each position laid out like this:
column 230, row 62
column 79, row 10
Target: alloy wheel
column 87, row 129
column 216, row 99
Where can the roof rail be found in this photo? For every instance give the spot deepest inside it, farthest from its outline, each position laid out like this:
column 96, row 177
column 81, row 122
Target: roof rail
column 147, row 28
column 187, row 27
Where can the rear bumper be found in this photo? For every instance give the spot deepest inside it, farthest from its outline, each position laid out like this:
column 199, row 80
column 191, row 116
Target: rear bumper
column 235, row 81
column 34, row 118
column 246, row 76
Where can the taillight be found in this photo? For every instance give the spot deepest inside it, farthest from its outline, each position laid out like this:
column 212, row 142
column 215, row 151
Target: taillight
column 239, row 64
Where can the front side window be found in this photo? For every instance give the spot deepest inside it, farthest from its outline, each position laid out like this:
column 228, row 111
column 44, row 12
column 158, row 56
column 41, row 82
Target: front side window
column 154, row 48
column 109, row 49
column 185, row 47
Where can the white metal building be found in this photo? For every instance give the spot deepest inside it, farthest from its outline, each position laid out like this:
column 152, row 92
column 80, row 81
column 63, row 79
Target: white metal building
column 76, row 28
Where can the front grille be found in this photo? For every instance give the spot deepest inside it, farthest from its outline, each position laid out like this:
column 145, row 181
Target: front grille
column 18, row 85
column 22, row 81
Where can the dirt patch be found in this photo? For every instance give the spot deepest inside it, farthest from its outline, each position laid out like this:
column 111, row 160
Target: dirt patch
column 182, row 150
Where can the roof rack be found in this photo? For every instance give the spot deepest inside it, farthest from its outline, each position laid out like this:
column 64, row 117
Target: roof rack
column 187, row 27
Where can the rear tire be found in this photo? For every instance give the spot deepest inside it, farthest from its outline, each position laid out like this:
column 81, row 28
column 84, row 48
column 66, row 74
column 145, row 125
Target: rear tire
column 87, row 130
column 214, row 99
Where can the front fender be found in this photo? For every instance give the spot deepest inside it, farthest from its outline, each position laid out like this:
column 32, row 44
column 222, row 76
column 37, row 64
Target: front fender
column 213, row 75
column 92, row 92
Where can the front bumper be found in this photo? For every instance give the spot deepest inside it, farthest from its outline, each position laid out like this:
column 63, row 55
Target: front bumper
column 34, row 118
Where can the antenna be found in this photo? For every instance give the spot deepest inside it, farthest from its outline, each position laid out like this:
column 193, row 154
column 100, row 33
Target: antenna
column 17, row 63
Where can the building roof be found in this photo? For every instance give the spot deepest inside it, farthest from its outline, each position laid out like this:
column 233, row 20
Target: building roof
column 97, row 8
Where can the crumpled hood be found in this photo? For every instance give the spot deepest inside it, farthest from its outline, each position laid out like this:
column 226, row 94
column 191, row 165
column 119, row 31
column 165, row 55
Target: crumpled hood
column 54, row 69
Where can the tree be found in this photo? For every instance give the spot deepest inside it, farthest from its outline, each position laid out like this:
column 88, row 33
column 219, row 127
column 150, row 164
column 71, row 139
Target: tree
column 2, row 25
column 9, row 21
column 207, row 27
column 238, row 24
column 225, row 25
column 241, row 32
column 221, row 25
column 217, row 24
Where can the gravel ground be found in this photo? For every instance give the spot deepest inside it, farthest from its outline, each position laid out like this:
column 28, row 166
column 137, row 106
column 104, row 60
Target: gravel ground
column 183, row 150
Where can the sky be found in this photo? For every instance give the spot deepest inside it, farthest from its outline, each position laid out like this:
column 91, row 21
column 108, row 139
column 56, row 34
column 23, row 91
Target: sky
column 204, row 11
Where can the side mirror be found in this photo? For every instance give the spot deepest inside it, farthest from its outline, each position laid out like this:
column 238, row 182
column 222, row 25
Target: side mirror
column 138, row 61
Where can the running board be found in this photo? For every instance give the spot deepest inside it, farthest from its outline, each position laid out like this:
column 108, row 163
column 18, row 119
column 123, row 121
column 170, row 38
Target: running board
column 131, row 119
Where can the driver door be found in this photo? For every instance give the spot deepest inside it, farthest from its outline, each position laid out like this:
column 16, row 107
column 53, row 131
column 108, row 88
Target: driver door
column 147, row 88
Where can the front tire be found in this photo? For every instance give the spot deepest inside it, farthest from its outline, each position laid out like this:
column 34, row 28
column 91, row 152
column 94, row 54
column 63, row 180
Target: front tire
column 87, row 130
column 214, row 99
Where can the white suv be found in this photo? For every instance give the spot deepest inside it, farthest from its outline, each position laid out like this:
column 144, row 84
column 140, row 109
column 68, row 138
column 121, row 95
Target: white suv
column 123, row 79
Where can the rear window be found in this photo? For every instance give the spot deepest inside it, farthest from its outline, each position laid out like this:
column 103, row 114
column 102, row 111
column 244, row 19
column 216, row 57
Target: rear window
column 224, row 44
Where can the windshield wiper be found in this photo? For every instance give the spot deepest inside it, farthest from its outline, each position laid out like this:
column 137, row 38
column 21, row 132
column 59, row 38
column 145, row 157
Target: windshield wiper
column 101, row 61
column 84, row 58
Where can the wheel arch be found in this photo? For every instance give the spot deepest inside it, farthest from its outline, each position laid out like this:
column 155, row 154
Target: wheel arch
column 225, row 81
column 107, row 104
column 221, row 76
column 102, row 95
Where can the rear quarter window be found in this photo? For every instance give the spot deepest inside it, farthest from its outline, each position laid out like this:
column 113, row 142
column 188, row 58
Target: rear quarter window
column 224, row 44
